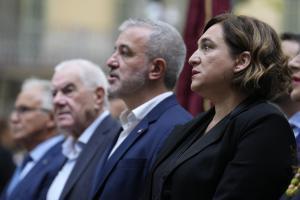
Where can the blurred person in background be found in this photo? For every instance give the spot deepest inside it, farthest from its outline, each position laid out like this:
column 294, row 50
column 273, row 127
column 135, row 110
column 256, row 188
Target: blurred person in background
column 7, row 165
column 82, row 112
column 293, row 191
column 33, row 127
column 144, row 67
column 6, row 139
column 291, row 47
column 243, row 148
column 290, row 43
column 116, row 106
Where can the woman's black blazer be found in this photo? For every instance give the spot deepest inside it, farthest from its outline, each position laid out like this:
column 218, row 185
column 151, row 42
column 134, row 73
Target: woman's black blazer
column 248, row 155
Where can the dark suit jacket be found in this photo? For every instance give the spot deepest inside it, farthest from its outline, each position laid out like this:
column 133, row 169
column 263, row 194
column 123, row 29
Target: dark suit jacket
column 78, row 185
column 248, row 155
column 7, row 167
column 122, row 177
column 35, row 184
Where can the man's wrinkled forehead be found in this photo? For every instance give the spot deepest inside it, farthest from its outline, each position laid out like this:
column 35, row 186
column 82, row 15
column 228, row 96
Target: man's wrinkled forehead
column 136, row 36
column 65, row 78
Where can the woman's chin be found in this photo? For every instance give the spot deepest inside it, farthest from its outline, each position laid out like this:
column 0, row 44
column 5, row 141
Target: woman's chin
column 195, row 88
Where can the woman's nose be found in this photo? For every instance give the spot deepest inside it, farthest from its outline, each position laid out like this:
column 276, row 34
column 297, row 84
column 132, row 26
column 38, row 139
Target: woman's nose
column 195, row 59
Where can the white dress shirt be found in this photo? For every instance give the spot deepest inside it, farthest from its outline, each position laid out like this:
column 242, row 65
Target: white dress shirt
column 295, row 122
column 71, row 149
column 129, row 119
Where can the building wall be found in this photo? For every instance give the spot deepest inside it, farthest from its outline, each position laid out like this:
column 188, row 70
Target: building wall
column 38, row 34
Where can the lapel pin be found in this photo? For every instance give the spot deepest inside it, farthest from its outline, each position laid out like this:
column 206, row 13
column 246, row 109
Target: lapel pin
column 140, row 131
column 45, row 161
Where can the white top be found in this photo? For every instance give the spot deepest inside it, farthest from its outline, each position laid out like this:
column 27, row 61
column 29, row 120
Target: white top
column 129, row 119
column 71, row 149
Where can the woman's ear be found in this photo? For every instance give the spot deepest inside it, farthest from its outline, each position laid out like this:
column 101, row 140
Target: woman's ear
column 242, row 61
column 157, row 69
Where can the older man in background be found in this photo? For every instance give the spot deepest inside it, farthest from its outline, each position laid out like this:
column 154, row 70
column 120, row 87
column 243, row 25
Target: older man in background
column 33, row 127
column 81, row 111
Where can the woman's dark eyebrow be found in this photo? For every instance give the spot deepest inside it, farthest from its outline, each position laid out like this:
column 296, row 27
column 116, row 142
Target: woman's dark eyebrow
column 203, row 40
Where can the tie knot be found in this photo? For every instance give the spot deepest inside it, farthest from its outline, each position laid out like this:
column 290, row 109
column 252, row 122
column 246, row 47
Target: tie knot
column 27, row 158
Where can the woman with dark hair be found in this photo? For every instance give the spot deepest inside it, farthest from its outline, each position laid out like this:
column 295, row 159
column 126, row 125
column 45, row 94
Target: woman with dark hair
column 243, row 148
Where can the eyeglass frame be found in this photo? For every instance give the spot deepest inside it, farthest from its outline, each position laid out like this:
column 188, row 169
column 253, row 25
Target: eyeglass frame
column 21, row 110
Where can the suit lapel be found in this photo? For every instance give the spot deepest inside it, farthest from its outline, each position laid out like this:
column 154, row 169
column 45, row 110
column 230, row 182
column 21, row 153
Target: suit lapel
column 40, row 170
column 180, row 134
column 45, row 161
column 189, row 130
column 121, row 150
column 94, row 145
column 210, row 138
column 137, row 132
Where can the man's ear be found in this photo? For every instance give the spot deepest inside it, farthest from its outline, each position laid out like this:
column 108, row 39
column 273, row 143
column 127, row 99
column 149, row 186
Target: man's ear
column 51, row 122
column 157, row 69
column 242, row 61
column 99, row 97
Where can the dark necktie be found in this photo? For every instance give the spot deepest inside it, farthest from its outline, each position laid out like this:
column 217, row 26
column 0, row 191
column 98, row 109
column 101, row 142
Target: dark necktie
column 16, row 178
column 26, row 160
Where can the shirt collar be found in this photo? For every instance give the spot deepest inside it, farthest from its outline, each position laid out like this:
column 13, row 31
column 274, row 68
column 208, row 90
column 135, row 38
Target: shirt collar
column 295, row 120
column 127, row 117
column 137, row 114
column 88, row 132
column 38, row 152
column 71, row 148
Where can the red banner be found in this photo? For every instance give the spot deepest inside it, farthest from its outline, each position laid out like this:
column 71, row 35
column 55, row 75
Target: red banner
column 199, row 11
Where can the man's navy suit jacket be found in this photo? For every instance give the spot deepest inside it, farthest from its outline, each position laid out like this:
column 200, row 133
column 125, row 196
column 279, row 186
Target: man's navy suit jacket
column 79, row 183
column 122, row 176
column 35, row 184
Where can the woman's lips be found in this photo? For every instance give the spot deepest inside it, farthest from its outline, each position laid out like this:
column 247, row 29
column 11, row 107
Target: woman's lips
column 195, row 72
column 296, row 79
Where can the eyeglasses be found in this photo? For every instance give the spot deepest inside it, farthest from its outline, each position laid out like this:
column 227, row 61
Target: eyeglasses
column 25, row 109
